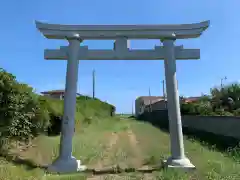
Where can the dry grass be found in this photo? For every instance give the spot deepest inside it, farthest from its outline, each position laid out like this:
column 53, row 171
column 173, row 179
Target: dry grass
column 111, row 146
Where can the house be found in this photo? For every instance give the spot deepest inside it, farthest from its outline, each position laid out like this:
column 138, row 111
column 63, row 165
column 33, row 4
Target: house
column 144, row 103
column 191, row 99
column 153, row 103
column 57, row 94
column 158, row 105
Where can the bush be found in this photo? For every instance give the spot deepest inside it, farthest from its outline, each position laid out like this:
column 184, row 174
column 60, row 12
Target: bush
column 24, row 114
column 221, row 112
column 99, row 108
column 236, row 112
column 189, row 108
column 50, row 114
column 20, row 112
column 186, row 108
column 204, row 109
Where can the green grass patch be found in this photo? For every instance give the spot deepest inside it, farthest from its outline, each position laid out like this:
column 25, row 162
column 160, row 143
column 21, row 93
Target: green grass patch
column 92, row 146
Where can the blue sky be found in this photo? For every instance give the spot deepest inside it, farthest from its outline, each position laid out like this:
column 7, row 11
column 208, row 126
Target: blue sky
column 120, row 82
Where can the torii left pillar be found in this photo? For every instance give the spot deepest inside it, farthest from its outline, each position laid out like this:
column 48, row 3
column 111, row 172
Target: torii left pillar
column 66, row 163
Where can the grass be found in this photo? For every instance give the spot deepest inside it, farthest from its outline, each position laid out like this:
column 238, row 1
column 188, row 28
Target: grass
column 125, row 143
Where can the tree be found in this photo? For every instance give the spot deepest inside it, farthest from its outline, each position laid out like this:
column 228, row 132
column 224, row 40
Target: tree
column 226, row 97
column 20, row 110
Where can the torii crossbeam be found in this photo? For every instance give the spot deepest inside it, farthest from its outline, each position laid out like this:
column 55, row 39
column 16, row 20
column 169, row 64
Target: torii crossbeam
column 119, row 54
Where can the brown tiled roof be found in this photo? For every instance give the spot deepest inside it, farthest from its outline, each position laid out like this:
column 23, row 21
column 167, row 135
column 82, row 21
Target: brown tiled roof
column 151, row 99
column 191, row 99
column 55, row 92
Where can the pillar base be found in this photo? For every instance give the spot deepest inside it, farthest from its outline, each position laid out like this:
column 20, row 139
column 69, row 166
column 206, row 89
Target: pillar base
column 70, row 165
column 183, row 163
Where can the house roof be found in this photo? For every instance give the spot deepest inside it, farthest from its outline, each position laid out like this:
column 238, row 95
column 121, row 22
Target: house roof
column 55, row 92
column 150, row 99
column 154, row 99
column 191, row 99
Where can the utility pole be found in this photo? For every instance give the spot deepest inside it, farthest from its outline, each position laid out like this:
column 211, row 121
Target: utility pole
column 164, row 94
column 225, row 78
column 93, row 79
column 132, row 108
column 150, row 100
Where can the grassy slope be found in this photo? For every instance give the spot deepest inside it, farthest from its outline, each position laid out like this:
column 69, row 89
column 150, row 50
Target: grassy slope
column 125, row 142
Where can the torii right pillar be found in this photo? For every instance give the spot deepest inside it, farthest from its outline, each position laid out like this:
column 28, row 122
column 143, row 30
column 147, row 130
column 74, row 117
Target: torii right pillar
column 178, row 158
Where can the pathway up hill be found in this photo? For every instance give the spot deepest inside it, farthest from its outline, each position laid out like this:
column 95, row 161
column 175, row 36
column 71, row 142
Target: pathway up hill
column 115, row 148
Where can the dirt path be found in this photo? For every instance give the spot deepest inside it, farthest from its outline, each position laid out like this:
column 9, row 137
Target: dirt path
column 137, row 159
column 112, row 142
column 102, row 162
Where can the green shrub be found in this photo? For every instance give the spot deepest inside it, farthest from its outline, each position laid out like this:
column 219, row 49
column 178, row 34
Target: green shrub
column 188, row 108
column 50, row 110
column 221, row 112
column 24, row 114
column 86, row 104
column 19, row 107
column 204, row 109
column 236, row 112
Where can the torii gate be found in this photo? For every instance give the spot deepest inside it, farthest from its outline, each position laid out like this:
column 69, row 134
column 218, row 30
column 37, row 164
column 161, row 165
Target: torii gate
column 75, row 34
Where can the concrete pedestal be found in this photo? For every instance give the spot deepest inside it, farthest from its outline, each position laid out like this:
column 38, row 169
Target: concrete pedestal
column 182, row 163
column 69, row 165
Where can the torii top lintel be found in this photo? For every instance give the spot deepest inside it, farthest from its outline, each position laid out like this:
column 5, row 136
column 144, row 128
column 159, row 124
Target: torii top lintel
column 177, row 31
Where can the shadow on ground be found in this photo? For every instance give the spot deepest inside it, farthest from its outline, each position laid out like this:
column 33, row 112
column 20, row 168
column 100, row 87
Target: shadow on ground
column 118, row 169
column 16, row 160
column 221, row 143
column 55, row 128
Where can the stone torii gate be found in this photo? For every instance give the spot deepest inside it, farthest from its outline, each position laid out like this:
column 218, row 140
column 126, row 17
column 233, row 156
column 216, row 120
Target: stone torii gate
column 75, row 34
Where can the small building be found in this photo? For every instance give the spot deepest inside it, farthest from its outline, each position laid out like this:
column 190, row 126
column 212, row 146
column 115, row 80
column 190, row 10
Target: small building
column 158, row 105
column 149, row 103
column 56, row 94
